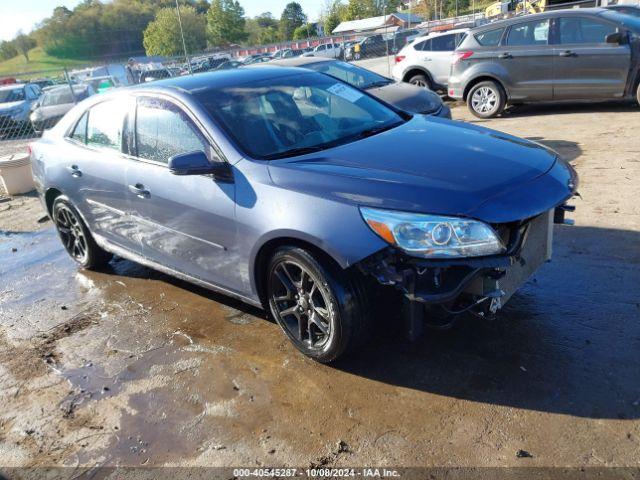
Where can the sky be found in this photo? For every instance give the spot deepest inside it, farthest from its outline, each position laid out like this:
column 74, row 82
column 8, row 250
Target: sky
column 22, row 15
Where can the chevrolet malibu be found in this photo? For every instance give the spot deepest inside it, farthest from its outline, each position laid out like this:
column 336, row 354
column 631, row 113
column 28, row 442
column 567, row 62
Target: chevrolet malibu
column 291, row 190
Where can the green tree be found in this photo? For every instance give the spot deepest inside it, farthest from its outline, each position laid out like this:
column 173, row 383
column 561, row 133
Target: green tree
column 7, row 50
column 225, row 23
column 335, row 13
column 162, row 36
column 292, row 17
column 23, row 43
column 305, row 31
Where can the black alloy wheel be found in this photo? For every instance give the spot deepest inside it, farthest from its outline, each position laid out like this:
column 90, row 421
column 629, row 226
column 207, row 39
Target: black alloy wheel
column 315, row 304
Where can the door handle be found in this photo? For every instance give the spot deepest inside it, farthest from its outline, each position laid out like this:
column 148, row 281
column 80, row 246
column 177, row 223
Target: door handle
column 74, row 171
column 139, row 190
column 568, row 53
column 505, row 55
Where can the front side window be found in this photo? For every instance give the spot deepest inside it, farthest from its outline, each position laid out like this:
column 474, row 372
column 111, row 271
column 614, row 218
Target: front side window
column 296, row 114
column 583, row 30
column 490, row 38
column 529, row 33
column 443, row 43
column 164, row 130
column 105, row 125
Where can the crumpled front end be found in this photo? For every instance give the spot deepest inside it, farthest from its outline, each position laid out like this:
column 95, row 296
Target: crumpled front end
column 437, row 292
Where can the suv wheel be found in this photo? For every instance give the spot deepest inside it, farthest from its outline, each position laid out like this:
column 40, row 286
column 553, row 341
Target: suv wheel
column 420, row 80
column 486, row 99
column 638, row 94
column 316, row 304
column 75, row 235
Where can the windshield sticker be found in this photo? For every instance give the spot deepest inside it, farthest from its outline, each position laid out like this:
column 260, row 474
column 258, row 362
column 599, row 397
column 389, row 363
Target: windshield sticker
column 346, row 92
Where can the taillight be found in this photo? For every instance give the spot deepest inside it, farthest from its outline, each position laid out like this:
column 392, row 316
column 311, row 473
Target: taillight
column 400, row 58
column 459, row 56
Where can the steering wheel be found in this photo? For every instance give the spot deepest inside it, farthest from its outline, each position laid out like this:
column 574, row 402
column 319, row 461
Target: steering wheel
column 288, row 135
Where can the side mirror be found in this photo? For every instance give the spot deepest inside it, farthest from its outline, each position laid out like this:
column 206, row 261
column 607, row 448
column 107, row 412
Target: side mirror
column 615, row 38
column 197, row 163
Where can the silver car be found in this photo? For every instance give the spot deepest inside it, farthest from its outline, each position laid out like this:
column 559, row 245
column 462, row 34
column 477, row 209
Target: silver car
column 583, row 54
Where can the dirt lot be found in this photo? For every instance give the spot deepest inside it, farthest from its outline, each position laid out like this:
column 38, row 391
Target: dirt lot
column 130, row 367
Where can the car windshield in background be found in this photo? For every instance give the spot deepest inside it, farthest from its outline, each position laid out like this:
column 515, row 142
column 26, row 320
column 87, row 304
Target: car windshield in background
column 63, row 96
column 356, row 76
column 12, row 95
column 296, row 114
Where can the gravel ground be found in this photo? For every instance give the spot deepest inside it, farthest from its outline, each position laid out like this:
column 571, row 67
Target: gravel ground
column 130, row 367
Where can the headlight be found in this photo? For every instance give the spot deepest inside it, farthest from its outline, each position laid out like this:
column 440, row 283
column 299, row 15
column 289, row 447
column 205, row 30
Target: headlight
column 433, row 236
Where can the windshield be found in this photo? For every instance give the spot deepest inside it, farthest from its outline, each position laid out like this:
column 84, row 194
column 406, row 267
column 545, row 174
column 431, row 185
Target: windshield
column 629, row 21
column 355, row 76
column 296, row 114
column 12, row 95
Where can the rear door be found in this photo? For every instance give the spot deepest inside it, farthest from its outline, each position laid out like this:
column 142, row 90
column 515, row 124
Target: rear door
column 439, row 58
column 97, row 172
column 585, row 65
column 186, row 222
column 527, row 60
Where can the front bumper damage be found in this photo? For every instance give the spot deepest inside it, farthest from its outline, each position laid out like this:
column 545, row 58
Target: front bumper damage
column 437, row 292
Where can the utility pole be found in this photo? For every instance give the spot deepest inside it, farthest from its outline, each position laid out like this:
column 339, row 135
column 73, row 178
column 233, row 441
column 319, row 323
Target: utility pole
column 184, row 45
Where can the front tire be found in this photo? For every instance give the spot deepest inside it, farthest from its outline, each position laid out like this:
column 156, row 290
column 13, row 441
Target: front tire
column 486, row 99
column 76, row 237
column 316, row 304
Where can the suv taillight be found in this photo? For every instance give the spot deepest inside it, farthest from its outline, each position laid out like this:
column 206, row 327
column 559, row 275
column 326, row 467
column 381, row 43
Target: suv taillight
column 459, row 56
column 400, row 58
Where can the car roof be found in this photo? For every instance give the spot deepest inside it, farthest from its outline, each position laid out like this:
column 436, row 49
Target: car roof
column 439, row 34
column 12, row 86
column 534, row 16
column 200, row 82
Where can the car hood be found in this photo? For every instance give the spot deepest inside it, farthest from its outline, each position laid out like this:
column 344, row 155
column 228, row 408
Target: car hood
column 430, row 165
column 408, row 97
column 8, row 106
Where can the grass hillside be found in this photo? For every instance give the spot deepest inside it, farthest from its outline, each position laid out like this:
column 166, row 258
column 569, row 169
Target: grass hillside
column 38, row 61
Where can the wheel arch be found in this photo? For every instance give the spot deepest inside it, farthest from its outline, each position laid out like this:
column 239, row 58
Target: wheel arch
column 483, row 78
column 415, row 70
column 49, row 197
column 266, row 249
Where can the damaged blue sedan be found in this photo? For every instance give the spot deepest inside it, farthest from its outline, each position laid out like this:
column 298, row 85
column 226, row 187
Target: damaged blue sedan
column 290, row 190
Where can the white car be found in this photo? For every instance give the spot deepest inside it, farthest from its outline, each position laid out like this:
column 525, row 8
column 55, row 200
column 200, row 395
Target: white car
column 328, row 50
column 426, row 61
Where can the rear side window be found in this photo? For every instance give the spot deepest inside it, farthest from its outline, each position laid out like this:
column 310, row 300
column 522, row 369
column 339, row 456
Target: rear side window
column 490, row 38
column 583, row 30
column 164, row 130
column 105, row 125
column 80, row 132
column 444, row 43
column 423, row 46
column 529, row 33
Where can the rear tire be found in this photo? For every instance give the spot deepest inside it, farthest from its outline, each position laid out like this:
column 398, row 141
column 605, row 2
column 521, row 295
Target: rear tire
column 317, row 305
column 486, row 99
column 76, row 237
column 421, row 80
column 638, row 93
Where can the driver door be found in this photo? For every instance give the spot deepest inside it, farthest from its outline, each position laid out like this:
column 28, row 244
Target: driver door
column 187, row 222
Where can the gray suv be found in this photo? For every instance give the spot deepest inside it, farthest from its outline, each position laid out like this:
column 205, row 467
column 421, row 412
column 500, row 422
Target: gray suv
column 583, row 54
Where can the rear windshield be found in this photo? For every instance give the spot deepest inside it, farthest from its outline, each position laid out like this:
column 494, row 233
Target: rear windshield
column 489, row 38
column 12, row 95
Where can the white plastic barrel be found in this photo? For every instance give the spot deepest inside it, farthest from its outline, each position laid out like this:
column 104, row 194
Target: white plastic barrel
column 15, row 174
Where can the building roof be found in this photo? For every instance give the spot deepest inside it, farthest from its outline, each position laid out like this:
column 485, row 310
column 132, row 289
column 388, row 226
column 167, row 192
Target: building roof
column 373, row 23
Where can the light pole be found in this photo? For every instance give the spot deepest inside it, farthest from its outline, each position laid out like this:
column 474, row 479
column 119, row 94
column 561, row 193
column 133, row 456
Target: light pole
column 184, row 45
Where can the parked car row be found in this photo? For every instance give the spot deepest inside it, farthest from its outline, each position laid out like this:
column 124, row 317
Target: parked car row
column 562, row 55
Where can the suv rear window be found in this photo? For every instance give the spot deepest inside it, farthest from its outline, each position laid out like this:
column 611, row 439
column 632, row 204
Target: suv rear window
column 529, row 33
column 489, row 38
